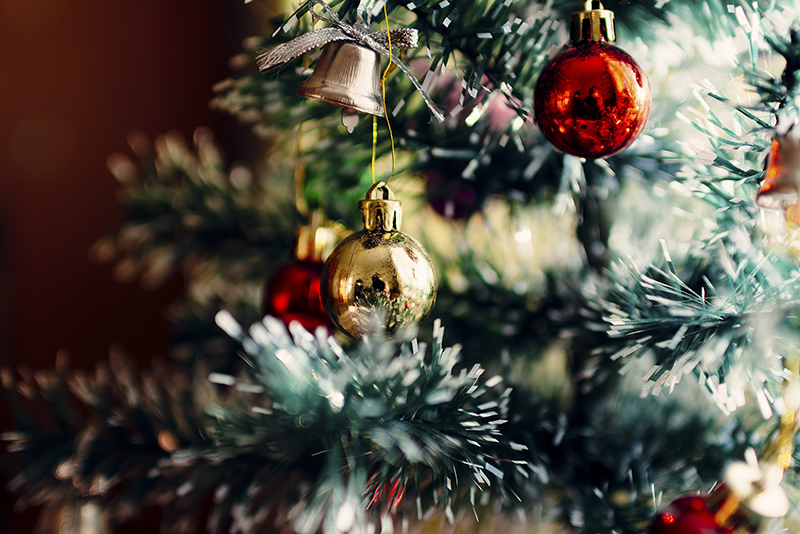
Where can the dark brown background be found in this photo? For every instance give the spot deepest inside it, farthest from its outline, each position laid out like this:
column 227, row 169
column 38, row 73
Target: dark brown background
column 75, row 77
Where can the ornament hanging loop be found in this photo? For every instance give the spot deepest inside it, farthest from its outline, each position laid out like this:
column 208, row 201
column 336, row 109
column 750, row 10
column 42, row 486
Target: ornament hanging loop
column 593, row 23
column 381, row 212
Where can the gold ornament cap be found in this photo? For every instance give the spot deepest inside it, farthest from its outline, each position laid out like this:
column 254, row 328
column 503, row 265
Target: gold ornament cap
column 314, row 241
column 749, row 496
column 381, row 211
column 593, row 23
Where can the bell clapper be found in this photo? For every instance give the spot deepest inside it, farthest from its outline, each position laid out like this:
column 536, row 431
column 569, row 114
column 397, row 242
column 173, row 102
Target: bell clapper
column 349, row 119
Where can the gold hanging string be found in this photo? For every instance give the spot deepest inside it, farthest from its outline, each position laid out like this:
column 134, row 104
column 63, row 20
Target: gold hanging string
column 299, row 166
column 299, row 175
column 386, row 73
column 785, row 442
column 374, row 143
column 383, row 91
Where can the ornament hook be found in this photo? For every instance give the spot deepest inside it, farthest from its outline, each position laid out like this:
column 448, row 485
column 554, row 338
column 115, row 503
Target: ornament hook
column 381, row 211
column 593, row 23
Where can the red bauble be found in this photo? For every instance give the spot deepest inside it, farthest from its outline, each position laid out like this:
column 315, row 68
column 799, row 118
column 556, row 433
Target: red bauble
column 450, row 199
column 458, row 206
column 687, row 515
column 592, row 100
column 293, row 295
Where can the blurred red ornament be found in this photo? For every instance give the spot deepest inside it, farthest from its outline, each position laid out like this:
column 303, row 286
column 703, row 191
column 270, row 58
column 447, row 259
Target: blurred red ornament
column 293, row 292
column 593, row 100
column 749, row 496
column 450, row 199
column 687, row 515
column 457, row 207
column 293, row 295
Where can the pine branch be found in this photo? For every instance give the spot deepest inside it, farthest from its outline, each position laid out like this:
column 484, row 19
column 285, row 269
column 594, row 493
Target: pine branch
column 198, row 341
column 729, row 331
column 100, row 434
column 776, row 106
column 185, row 205
column 374, row 411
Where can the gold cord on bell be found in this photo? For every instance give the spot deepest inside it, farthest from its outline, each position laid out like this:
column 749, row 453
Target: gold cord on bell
column 383, row 89
column 385, row 111
column 299, row 175
column 374, row 144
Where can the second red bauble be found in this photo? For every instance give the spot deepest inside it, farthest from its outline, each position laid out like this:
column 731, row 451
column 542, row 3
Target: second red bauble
column 292, row 294
column 592, row 101
column 687, row 515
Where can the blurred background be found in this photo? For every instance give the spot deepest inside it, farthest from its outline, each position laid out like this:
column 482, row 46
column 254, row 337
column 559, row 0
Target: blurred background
column 75, row 78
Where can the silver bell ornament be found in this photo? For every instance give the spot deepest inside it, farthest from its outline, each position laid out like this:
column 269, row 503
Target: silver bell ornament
column 347, row 75
column 378, row 277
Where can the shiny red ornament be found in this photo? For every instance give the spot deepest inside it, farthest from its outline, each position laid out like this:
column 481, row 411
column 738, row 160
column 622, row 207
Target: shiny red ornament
column 687, row 515
column 292, row 294
column 592, row 101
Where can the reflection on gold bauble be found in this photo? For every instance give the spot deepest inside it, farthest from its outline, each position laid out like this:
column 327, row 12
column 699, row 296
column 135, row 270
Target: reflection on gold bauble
column 378, row 278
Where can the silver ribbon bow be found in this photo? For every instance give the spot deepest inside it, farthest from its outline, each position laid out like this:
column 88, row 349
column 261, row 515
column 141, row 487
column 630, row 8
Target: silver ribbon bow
column 341, row 31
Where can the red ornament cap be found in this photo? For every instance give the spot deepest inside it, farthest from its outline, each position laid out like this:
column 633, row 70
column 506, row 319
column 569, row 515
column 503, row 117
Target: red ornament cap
column 314, row 241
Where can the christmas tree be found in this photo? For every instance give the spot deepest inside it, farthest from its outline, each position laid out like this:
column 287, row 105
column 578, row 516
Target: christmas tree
column 608, row 233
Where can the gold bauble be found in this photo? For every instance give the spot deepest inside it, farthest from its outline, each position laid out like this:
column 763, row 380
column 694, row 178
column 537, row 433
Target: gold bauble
column 378, row 278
